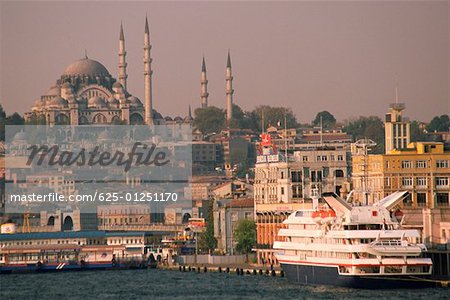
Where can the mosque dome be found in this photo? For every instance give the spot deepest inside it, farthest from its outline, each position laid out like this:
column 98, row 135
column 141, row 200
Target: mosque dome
column 86, row 66
column 53, row 91
column 117, row 85
column 39, row 103
column 157, row 115
column 58, row 102
column 134, row 101
column 114, row 102
column 96, row 102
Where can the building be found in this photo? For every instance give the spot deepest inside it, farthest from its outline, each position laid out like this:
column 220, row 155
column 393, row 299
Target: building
column 285, row 185
column 397, row 129
column 422, row 169
column 227, row 213
column 206, row 157
column 87, row 93
column 110, row 216
column 233, row 189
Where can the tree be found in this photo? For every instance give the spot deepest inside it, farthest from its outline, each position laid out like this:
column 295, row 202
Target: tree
column 2, row 112
column 206, row 240
column 245, row 235
column 367, row 127
column 418, row 134
column 15, row 119
column 210, row 119
column 328, row 120
column 438, row 124
column 273, row 116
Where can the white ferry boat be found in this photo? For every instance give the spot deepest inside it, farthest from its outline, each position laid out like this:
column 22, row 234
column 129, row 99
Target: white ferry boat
column 352, row 246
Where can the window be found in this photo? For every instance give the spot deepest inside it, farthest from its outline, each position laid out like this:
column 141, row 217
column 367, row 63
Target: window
column 282, row 175
column 406, row 164
column 340, row 157
column 407, row 201
column 421, row 199
column 441, row 181
column 406, row 181
column 305, row 158
column 442, row 199
column 296, row 176
column 387, row 181
column 339, row 173
column 282, row 190
column 319, row 158
column 331, row 157
column 324, row 158
column 442, row 164
column 421, row 181
column 421, row 164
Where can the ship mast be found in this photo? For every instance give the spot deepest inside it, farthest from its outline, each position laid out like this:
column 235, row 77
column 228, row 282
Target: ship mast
column 363, row 147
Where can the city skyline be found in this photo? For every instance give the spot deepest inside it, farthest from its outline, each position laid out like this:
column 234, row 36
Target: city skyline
column 346, row 58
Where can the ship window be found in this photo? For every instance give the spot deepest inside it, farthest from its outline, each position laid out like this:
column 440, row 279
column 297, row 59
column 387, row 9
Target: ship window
column 392, row 269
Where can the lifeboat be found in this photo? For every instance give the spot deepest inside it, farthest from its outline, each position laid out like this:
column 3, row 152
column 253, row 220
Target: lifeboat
column 323, row 216
column 393, row 248
column 316, row 216
column 329, row 216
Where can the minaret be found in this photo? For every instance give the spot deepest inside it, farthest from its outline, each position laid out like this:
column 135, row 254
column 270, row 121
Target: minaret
column 204, row 86
column 147, row 76
column 229, row 89
column 122, row 62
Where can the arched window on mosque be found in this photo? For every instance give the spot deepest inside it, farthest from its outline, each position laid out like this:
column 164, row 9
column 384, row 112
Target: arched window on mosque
column 62, row 119
column 136, row 119
column 99, row 119
column 83, row 120
column 116, row 120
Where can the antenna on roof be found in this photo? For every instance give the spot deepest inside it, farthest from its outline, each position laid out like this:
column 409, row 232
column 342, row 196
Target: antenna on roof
column 321, row 131
column 396, row 89
column 85, row 54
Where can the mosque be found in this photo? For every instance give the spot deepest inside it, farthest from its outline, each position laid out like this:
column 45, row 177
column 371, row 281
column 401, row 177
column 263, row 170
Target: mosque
column 86, row 93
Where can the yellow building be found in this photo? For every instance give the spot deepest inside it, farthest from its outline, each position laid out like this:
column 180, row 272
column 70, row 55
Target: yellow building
column 422, row 169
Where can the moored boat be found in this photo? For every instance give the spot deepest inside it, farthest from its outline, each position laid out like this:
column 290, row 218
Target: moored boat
column 355, row 246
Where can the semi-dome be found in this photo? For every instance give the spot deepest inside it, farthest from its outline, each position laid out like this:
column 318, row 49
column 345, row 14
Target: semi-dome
column 58, row 102
column 134, row 101
column 86, row 66
column 96, row 102
column 39, row 103
column 113, row 102
column 53, row 91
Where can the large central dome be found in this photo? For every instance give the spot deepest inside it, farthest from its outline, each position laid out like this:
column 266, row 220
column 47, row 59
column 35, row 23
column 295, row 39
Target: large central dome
column 86, row 66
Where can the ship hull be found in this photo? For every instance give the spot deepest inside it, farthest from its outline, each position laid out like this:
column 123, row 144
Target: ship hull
column 322, row 275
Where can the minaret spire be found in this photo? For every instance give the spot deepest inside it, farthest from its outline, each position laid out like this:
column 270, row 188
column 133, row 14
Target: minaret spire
column 122, row 60
column 229, row 89
column 147, row 76
column 204, row 86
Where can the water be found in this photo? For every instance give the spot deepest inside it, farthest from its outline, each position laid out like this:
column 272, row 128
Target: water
column 151, row 284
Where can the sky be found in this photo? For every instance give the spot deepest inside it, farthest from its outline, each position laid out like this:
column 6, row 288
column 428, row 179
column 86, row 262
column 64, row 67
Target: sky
column 344, row 57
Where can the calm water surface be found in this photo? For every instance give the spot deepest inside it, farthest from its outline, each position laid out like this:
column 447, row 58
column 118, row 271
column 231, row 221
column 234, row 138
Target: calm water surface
column 151, row 284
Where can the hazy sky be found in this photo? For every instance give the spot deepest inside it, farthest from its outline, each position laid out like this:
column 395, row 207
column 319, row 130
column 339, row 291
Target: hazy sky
column 311, row 56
